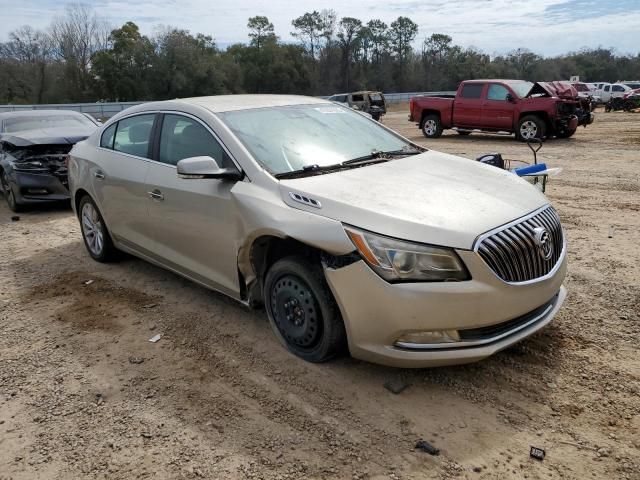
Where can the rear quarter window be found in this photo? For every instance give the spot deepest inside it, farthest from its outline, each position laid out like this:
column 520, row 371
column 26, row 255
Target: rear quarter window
column 472, row 90
column 106, row 141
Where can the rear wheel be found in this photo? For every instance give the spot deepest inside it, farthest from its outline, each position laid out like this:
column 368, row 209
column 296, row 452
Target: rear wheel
column 432, row 126
column 9, row 194
column 530, row 127
column 302, row 311
column 94, row 231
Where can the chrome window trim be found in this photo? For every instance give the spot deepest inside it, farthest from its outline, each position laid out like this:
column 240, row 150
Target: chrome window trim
column 170, row 112
column 477, row 343
column 552, row 272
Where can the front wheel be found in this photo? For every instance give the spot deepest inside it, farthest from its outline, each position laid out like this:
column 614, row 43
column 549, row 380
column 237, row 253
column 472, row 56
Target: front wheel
column 302, row 311
column 94, row 231
column 432, row 126
column 9, row 194
column 530, row 127
column 566, row 133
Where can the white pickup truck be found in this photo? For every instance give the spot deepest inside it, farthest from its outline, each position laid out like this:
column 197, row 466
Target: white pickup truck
column 610, row 90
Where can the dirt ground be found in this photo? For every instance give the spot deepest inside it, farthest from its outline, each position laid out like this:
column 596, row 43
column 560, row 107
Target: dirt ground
column 84, row 394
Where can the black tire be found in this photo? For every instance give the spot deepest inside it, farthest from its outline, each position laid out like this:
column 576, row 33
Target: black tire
column 464, row 133
column 530, row 126
column 9, row 194
column 302, row 311
column 376, row 116
column 431, row 126
column 566, row 133
column 107, row 252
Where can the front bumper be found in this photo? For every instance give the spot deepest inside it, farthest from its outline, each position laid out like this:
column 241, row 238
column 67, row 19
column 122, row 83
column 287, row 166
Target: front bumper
column 377, row 313
column 33, row 188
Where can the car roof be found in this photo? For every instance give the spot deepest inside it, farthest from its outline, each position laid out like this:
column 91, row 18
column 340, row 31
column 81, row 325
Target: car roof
column 503, row 80
column 227, row 103
column 31, row 113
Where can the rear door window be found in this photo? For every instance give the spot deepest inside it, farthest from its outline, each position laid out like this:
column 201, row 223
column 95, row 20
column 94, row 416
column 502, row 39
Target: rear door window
column 133, row 135
column 184, row 137
column 472, row 90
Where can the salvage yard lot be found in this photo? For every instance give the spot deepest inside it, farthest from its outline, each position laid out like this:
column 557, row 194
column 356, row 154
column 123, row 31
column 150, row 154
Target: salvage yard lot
column 83, row 394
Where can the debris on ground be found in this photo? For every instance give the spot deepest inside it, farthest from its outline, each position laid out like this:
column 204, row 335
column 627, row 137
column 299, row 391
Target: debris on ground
column 155, row 338
column 15, row 218
column 427, row 447
column 150, row 305
column 396, row 385
column 88, row 282
column 537, row 453
column 136, row 360
column 611, row 230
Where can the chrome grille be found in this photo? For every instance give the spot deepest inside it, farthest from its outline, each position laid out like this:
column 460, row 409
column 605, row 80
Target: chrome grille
column 514, row 254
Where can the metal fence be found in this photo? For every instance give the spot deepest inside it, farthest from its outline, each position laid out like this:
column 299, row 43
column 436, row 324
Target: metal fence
column 109, row 109
column 97, row 110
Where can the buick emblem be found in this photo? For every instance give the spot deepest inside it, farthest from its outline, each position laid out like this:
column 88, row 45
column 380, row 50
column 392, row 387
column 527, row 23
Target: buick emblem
column 544, row 242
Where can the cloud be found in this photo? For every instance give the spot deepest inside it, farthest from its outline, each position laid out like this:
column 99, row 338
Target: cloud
column 548, row 27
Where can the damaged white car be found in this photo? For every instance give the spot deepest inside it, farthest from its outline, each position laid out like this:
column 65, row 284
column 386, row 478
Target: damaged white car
column 351, row 236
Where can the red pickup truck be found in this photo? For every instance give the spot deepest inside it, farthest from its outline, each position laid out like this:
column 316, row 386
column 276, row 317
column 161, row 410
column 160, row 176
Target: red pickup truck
column 530, row 110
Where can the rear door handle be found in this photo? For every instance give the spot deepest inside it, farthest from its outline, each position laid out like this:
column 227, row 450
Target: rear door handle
column 156, row 195
column 99, row 175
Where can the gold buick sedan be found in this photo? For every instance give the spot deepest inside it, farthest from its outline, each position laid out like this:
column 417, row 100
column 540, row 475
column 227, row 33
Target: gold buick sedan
column 352, row 237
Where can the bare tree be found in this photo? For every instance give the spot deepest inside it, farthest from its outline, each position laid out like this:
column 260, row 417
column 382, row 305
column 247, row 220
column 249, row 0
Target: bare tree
column 75, row 38
column 31, row 48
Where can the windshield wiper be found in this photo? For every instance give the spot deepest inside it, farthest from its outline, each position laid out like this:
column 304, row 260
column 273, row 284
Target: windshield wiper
column 381, row 156
column 376, row 156
column 309, row 170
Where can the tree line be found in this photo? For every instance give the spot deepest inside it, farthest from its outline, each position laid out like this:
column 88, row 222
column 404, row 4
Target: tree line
column 81, row 58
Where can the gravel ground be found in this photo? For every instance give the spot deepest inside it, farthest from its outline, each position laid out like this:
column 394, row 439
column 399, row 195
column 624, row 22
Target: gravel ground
column 84, row 394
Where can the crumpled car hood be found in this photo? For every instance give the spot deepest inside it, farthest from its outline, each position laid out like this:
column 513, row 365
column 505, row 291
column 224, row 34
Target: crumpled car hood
column 47, row 136
column 555, row 89
column 432, row 198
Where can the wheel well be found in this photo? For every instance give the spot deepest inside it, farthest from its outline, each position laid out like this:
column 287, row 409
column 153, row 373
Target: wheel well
column 267, row 250
column 76, row 199
column 425, row 113
column 542, row 114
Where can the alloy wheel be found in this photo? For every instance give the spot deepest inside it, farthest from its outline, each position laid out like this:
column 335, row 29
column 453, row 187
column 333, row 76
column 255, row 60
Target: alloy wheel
column 92, row 229
column 8, row 191
column 430, row 127
column 528, row 130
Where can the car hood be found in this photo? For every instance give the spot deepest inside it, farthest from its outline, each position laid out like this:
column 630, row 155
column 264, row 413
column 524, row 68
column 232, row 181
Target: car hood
column 431, row 198
column 555, row 89
column 47, row 136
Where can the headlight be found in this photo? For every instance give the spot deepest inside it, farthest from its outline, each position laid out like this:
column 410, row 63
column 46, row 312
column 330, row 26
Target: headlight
column 29, row 166
column 400, row 261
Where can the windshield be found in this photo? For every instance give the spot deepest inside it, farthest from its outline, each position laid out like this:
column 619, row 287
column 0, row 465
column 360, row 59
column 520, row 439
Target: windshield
column 19, row 124
column 521, row 88
column 286, row 139
column 580, row 87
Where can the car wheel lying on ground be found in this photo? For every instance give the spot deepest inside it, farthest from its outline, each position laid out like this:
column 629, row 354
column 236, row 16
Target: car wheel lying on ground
column 350, row 235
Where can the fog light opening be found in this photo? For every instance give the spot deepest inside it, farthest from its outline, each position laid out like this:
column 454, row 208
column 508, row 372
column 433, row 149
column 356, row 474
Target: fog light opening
column 37, row 191
column 428, row 337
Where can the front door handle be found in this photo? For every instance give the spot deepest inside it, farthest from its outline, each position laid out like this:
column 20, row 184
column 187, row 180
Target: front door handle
column 99, row 175
column 156, row 195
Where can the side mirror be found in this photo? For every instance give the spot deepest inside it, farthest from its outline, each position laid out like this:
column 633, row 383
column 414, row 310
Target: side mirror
column 510, row 98
column 205, row 167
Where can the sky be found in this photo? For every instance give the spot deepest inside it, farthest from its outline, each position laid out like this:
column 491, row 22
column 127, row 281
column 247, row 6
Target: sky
column 546, row 27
